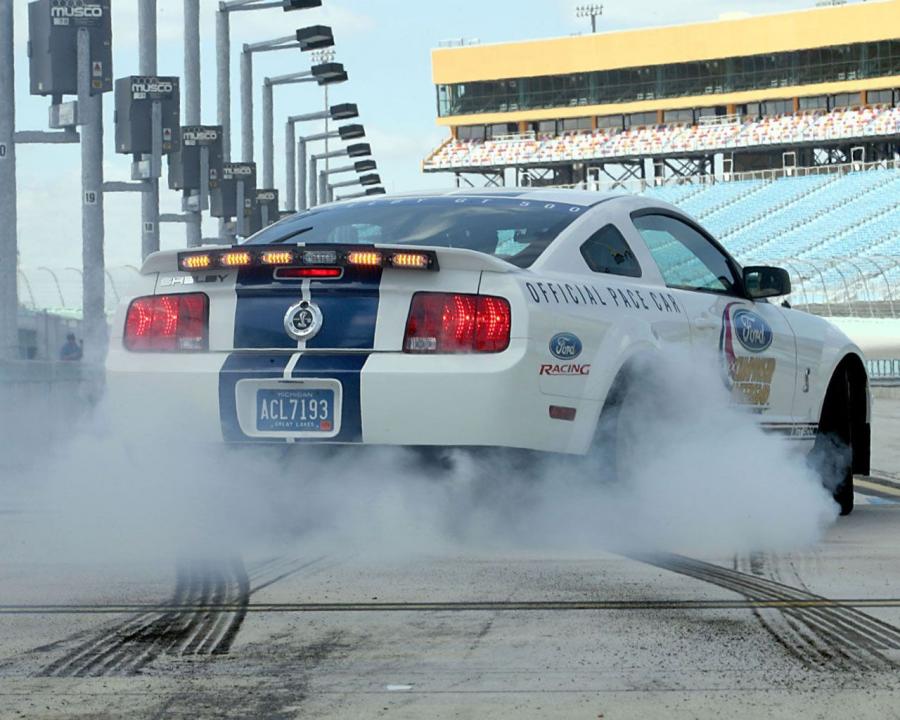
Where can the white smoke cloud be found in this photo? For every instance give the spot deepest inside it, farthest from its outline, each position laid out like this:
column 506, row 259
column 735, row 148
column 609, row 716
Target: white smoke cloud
column 704, row 480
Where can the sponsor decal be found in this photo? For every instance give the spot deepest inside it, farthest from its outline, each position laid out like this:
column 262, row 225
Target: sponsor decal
column 192, row 136
column 156, row 87
column 265, row 197
column 75, row 9
column 638, row 300
column 752, row 331
column 792, row 431
column 748, row 378
column 232, row 171
column 565, row 369
column 565, row 346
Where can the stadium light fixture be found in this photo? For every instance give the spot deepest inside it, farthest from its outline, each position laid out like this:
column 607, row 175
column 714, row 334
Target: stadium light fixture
column 351, row 132
column 288, row 5
column 365, row 166
column 329, row 73
column 344, row 111
column 590, row 10
column 359, row 150
column 315, row 37
column 364, row 180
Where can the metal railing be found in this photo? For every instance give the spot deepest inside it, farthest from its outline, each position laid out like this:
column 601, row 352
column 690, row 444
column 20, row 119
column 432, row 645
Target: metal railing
column 884, row 371
column 863, row 286
column 59, row 290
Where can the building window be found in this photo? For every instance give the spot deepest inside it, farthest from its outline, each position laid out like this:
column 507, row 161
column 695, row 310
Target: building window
column 501, row 129
column 844, row 100
column 679, row 116
column 836, row 63
column 816, row 102
column 575, row 124
column 641, row 119
column 611, row 121
column 880, row 97
column 470, row 132
column 777, row 107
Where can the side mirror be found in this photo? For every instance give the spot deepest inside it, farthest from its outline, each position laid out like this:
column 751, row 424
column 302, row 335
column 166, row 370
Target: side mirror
column 762, row 281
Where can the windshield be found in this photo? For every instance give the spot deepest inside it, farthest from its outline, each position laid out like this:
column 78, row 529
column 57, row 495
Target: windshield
column 514, row 229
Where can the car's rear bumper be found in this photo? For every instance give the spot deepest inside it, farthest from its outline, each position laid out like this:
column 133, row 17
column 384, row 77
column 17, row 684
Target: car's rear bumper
column 387, row 398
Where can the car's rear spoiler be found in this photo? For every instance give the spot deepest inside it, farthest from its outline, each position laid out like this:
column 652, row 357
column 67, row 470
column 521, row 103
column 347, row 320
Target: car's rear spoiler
column 172, row 261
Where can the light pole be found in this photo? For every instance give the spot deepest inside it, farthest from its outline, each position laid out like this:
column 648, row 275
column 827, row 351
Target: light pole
column 223, row 53
column 367, row 193
column 147, row 66
column 325, row 55
column 366, row 181
column 321, row 74
column 9, row 260
column 296, row 193
column 590, row 10
column 359, row 167
column 356, row 150
column 288, row 42
column 193, row 218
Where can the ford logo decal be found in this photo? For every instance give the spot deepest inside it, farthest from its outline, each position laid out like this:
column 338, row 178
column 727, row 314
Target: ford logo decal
column 752, row 331
column 565, row 346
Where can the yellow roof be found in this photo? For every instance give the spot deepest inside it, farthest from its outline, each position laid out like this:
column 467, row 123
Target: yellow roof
column 782, row 32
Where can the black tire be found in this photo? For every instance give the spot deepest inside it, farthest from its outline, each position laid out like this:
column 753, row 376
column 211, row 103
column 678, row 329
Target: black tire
column 833, row 450
column 616, row 429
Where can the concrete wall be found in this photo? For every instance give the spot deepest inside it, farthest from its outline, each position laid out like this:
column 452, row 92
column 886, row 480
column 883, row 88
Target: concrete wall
column 879, row 338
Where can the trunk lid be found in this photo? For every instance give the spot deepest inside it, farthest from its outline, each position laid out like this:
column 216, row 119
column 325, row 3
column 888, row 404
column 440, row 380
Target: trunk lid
column 363, row 310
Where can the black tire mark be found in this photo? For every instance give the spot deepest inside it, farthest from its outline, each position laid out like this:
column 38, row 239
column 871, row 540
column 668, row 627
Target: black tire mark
column 203, row 618
column 840, row 643
column 143, row 641
column 298, row 566
column 69, row 664
column 223, row 646
column 843, row 636
column 132, row 645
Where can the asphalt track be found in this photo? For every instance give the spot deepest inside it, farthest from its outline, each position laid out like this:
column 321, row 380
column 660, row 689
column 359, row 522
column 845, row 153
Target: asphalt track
column 338, row 633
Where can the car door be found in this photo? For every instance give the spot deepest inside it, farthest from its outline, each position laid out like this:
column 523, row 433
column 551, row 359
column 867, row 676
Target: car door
column 752, row 342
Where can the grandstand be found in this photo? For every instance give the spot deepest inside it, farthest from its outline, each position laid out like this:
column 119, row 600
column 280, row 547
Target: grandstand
column 798, row 89
column 781, row 133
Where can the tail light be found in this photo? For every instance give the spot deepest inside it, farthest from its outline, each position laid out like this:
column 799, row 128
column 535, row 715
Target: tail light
column 168, row 323
column 457, row 323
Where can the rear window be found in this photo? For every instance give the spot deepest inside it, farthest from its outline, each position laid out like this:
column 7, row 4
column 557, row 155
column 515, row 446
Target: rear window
column 513, row 229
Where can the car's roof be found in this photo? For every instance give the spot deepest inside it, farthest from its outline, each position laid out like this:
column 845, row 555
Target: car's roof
column 584, row 198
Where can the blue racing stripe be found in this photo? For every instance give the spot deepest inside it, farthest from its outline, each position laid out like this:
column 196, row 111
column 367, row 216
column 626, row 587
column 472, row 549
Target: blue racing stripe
column 243, row 366
column 347, row 370
column 349, row 309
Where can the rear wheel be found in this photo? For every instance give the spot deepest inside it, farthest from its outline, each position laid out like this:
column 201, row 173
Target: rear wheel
column 833, row 450
column 618, row 429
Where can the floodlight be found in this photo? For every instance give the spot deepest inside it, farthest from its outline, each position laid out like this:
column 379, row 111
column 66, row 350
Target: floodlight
column 352, row 132
column 315, row 37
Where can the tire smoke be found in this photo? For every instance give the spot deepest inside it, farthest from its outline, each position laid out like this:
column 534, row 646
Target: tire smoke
column 701, row 477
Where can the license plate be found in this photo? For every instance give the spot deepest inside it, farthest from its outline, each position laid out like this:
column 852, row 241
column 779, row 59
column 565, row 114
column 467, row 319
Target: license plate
column 295, row 410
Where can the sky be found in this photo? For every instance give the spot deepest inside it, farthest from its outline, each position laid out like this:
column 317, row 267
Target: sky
column 385, row 46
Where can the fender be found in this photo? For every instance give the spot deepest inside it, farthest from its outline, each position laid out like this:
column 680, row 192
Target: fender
column 602, row 383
